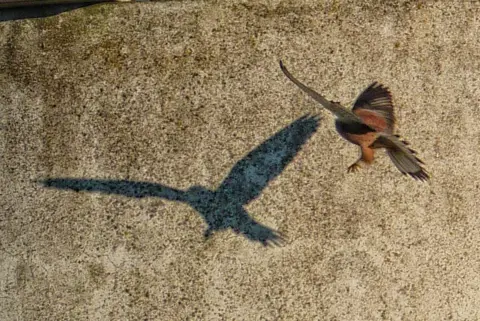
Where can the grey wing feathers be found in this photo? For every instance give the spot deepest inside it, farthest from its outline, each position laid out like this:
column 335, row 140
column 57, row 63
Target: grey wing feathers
column 378, row 99
column 335, row 108
column 403, row 157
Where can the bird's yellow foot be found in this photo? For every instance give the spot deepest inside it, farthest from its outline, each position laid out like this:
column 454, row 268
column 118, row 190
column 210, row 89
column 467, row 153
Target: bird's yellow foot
column 353, row 168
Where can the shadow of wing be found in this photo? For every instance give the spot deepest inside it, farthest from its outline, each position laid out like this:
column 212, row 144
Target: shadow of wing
column 251, row 175
column 120, row 187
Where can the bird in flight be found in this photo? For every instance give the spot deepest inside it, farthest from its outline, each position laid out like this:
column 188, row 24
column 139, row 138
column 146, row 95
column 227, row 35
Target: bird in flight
column 221, row 208
column 370, row 124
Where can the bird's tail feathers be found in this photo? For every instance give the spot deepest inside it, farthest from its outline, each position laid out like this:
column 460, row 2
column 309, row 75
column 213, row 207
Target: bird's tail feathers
column 402, row 156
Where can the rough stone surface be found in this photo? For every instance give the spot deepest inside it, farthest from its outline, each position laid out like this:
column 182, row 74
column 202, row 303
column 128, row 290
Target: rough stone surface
column 178, row 93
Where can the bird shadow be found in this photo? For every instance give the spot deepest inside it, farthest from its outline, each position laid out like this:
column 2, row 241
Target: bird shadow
column 40, row 11
column 222, row 208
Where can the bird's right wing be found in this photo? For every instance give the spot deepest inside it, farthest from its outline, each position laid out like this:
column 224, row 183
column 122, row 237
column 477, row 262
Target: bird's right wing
column 377, row 99
column 119, row 187
column 402, row 157
column 338, row 110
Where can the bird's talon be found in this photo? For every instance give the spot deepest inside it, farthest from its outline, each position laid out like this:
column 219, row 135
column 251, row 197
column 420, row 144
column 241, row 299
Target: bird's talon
column 353, row 168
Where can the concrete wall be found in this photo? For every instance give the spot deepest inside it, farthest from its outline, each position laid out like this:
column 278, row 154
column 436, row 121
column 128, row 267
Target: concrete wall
column 176, row 95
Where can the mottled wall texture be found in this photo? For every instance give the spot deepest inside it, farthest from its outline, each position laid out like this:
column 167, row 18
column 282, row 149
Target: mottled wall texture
column 149, row 151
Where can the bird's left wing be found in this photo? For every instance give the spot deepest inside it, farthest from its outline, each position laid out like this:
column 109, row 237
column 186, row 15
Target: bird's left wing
column 251, row 174
column 120, row 187
column 338, row 110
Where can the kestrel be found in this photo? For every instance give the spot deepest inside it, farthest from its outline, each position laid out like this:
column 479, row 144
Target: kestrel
column 370, row 125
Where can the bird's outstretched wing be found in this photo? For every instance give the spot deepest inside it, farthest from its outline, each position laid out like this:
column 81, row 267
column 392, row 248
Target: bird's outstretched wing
column 338, row 110
column 402, row 157
column 251, row 174
column 120, row 187
column 377, row 100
